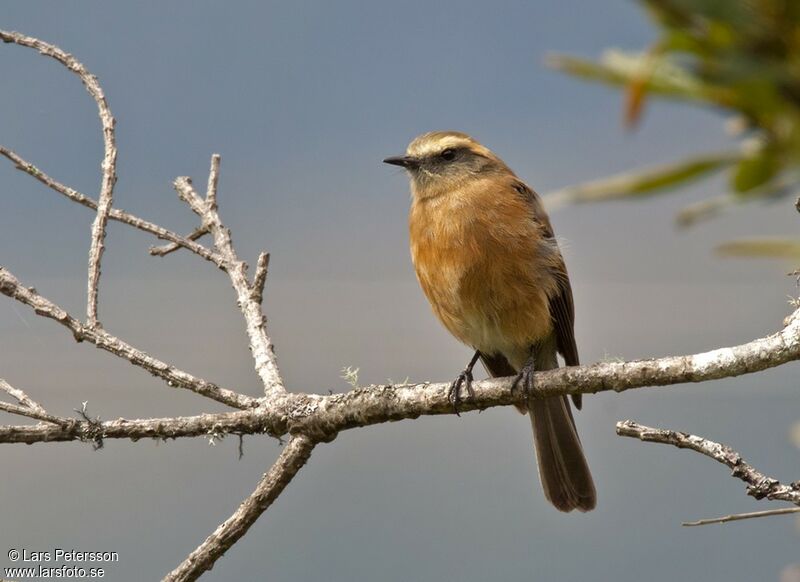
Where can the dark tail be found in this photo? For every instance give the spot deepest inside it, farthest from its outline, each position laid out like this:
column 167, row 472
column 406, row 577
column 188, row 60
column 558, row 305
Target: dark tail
column 563, row 470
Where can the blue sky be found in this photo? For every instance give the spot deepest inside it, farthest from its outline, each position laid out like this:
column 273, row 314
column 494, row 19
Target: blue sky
column 303, row 100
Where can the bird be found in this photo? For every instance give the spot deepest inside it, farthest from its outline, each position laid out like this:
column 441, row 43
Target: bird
column 487, row 260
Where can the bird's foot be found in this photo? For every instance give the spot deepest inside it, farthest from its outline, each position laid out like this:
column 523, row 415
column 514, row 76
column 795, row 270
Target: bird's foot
column 464, row 380
column 524, row 380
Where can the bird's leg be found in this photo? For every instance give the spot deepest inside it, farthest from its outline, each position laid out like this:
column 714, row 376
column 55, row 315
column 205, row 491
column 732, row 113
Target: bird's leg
column 464, row 379
column 524, row 379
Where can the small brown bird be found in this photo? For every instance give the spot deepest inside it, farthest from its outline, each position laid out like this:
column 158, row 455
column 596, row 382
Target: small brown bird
column 488, row 262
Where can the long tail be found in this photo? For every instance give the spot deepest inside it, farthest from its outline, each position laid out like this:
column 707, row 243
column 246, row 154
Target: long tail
column 563, row 470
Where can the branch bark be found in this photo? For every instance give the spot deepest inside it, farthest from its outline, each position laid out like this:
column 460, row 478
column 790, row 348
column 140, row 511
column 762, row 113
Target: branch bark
column 324, row 416
column 759, row 485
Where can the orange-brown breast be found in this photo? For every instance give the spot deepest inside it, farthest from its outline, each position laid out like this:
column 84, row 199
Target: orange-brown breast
column 484, row 265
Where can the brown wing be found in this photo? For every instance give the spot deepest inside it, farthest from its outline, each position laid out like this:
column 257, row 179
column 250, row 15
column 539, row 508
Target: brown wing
column 562, row 307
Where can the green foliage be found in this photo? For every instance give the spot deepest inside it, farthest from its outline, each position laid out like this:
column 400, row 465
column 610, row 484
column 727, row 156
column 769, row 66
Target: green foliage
column 738, row 57
column 643, row 183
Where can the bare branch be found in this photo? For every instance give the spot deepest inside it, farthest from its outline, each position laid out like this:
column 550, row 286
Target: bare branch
column 382, row 403
column 187, row 193
column 29, row 407
column 242, row 422
column 260, row 343
column 741, row 516
column 34, row 414
column 260, row 278
column 759, row 485
column 12, row 288
column 108, row 165
column 323, row 417
column 119, row 215
column 213, row 181
column 166, row 249
column 291, row 460
column 24, row 400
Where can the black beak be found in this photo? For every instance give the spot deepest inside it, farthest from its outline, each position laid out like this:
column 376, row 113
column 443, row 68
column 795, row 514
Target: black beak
column 404, row 161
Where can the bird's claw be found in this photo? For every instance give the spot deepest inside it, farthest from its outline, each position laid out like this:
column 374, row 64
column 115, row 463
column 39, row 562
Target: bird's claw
column 464, row 380
column 524, row 380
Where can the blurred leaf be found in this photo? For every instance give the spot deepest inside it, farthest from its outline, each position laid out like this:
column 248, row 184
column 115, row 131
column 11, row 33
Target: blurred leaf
column 636, row 91
column 769, row 248
column 706, row 209
column 738, row 57
column 634, row 102
column 688, row 12
column 643, row 183
column 663, row 76
column 756, row 170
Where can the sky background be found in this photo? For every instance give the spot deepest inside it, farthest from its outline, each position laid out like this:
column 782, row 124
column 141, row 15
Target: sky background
column 303, row 100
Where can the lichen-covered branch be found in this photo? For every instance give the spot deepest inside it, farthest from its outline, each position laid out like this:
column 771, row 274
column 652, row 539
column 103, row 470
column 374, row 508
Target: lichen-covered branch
column 242, row 422
column 291, row 460
column 324, row 416
column 759, row 485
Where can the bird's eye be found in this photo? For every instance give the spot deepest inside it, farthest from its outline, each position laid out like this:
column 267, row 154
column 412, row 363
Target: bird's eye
column 449, row 154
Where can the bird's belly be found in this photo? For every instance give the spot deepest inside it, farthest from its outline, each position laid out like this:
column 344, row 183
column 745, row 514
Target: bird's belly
column 492, row 304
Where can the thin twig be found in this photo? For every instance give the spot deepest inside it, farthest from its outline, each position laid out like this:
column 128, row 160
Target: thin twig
column 741, row 516
column 291, row 460
column 213, row 181
column 187, row 193
column 115, row 214
column 108, row 166
column 28, row 406
column 261, row 346
column 164, row 250
column 11, row 287
column 35, row 414
column 23, row 399
column 759, row 485
column 260, row 278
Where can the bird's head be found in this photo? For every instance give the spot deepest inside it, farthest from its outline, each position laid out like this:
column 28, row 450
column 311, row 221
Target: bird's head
column 440, row 161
